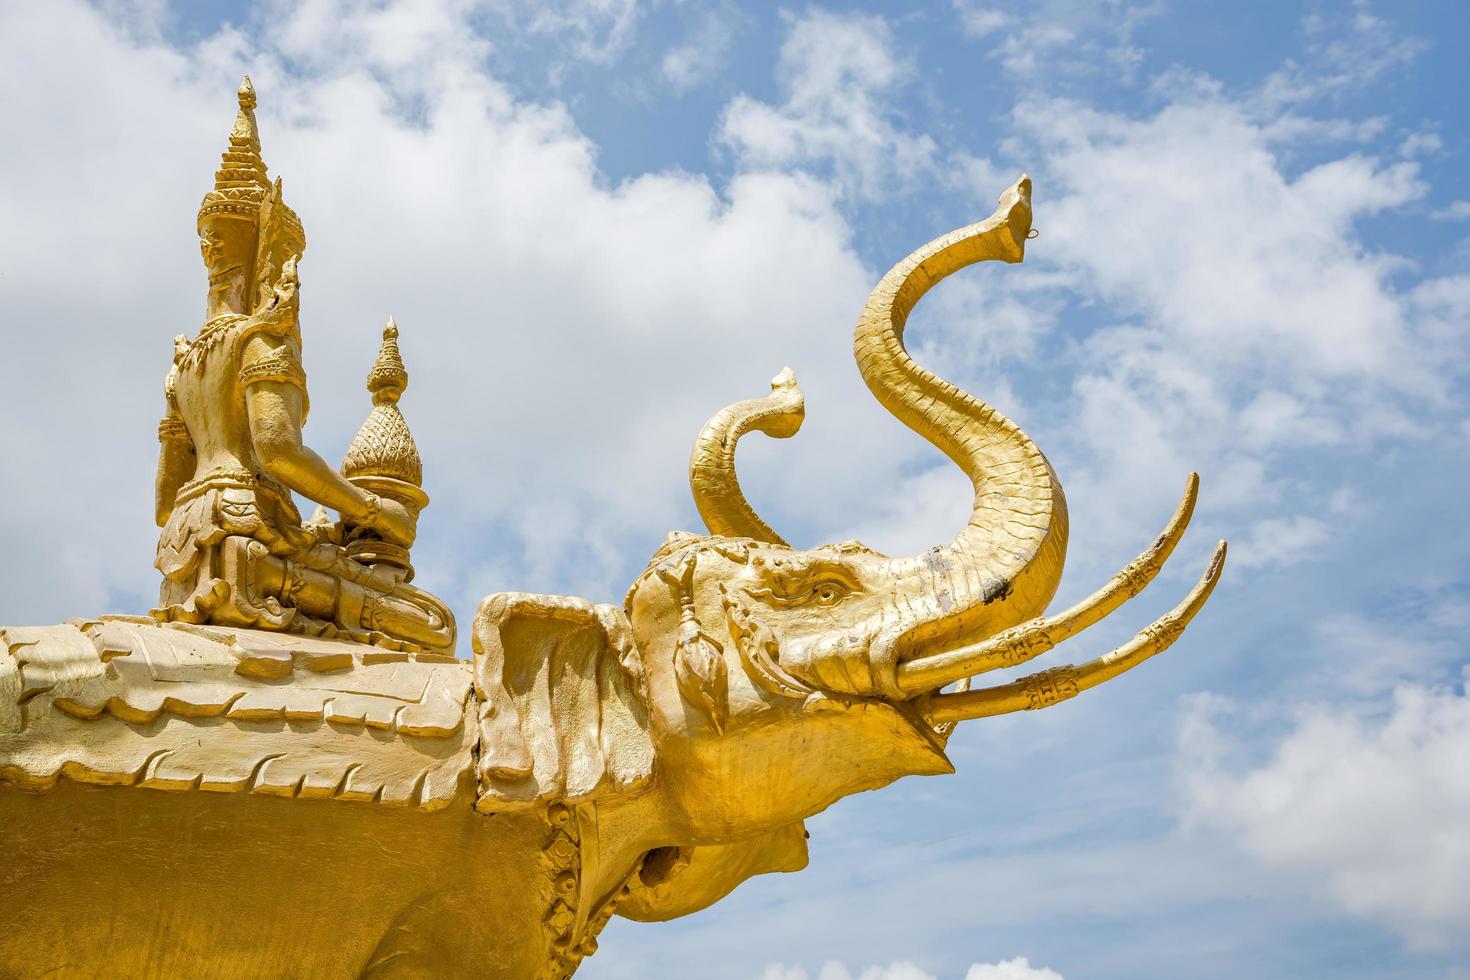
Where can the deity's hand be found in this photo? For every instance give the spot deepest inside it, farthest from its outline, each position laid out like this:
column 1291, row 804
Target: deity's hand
column 396, row 523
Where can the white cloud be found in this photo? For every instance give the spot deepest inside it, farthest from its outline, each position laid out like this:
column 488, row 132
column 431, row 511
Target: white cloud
column 979, row 19
column 1281, row 541
column 1019, row 968
column 1421, row 144
column 407, row 41
column 1241, row 315
column 599, row 30
column 1292, row 130
column 1347, row 49
column 1372, row 802
column 1050, row 41
column 1355, row 656
column 838, row 72
column 700, row 56
column 1186, row 218
column 1454, row 211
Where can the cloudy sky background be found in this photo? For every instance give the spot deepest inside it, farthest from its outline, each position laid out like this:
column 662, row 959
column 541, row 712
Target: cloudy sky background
column 599, row 221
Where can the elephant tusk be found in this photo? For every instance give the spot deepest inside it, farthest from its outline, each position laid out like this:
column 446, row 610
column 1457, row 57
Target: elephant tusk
column 1035, row 637
column 712, row 480
column 1046, row 688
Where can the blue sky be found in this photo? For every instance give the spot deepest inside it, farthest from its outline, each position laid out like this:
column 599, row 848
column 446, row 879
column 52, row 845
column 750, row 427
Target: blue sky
column 599, row 221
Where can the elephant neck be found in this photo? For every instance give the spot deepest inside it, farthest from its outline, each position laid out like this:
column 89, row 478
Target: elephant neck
column 592, row 852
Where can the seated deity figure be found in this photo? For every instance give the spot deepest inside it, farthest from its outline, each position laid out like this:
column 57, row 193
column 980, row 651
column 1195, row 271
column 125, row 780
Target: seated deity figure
column 234, row 550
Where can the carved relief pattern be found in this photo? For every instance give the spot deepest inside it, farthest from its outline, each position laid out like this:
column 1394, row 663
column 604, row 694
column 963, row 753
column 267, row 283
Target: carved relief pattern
column 559, row 860
column 279, row 366
column 173, row 429
column 1030, row 642
column 562, row 861
column 1045, row 688
column 1164, row 632
column 140, row 690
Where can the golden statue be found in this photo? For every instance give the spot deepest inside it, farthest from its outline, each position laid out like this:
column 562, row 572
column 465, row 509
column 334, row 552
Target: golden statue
column 234, row 550
column 281, row 773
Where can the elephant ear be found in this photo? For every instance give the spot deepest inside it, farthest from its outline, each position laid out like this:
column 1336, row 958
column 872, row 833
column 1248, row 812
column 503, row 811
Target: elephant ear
column 562, row 703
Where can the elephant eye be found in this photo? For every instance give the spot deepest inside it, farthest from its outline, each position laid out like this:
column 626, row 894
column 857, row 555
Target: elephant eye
column 829, row 593
column 825, row 592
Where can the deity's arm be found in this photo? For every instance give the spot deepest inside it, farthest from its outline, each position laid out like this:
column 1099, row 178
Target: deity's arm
column 276, row 406
column 275, row 409
column 175, row 458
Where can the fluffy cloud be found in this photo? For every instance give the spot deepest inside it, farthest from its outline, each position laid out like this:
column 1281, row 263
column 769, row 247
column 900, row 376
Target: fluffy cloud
column 700, row 56
column 1281, row 542
column 1454, row 211
column 1055, row 40
column 838, row 72
column 1186, row 219
column 1239, row 319
column 599, row 30
column 1019, row 968
column 1348, row 48
column 1243, row 317
column 1369, row 801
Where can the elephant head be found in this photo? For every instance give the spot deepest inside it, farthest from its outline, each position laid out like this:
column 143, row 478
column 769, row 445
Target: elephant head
column 772, row 681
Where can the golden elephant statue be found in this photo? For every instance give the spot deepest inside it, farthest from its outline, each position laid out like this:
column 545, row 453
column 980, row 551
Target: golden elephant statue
column 210, row 800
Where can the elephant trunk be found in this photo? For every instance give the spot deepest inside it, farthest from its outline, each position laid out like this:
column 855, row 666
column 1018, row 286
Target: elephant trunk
column 1004, row 567
column 974, row 604
column 717, row 494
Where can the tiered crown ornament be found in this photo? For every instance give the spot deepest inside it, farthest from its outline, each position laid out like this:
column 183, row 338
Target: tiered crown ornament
column 243, row 192
column 382, row 458
column 240, row 184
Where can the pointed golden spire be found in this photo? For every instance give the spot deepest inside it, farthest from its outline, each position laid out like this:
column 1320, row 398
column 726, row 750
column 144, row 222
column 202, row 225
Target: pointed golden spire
column 389, row 377
column 384, row 447
column 383, row 458
column 241, row 163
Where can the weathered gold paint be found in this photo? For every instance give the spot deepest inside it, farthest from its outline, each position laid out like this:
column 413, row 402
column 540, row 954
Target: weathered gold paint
column 281, row 773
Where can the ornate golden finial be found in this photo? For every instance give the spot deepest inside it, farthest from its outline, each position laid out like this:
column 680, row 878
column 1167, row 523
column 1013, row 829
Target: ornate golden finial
column 383, row 446
column 388, row 377
column 246, row 93
column 382, row 457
